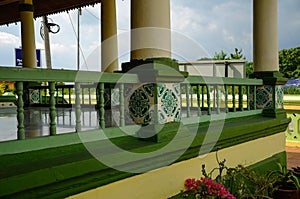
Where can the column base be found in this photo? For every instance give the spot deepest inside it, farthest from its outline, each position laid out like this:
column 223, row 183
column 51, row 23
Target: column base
column 270, row 94
column 155, row 70
column 156, row 100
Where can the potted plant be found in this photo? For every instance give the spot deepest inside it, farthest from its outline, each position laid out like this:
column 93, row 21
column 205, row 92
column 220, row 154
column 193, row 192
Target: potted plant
column 237, row 182
column 286, row 184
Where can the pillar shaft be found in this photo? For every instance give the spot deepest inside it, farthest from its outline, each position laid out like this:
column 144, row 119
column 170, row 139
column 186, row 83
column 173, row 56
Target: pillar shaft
column 27, row 34
column 150, row 29
column 265, row 36
column 109, row 42
column 47, row 43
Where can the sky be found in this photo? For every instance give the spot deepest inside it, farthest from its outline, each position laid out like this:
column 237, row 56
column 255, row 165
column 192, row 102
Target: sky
column 199, row 29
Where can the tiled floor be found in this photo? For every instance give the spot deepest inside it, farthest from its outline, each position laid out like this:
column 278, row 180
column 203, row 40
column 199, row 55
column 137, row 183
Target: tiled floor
column 293, row 156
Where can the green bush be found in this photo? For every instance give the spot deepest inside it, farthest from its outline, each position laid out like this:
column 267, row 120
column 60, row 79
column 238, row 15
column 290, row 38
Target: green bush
column 292, row 91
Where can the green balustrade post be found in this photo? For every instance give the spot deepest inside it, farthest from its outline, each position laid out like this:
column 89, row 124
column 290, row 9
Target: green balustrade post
column 202, row 96
column 248, row 98
column 56, row 95
column 70, row 99
column 78, row 107
column 191, row 97
column 208, row 100
column 20, row 111
column 226, row 98
column 214, row 97
column 188, row 109
column 101, row 106
column 241, row 98
column 63, row 95
column 122, row 106
column 90, row 100
column 217, row 99
column 233, row 98
column 52, row 113
column 254, row 97
column 198, row 100
column 82, row 95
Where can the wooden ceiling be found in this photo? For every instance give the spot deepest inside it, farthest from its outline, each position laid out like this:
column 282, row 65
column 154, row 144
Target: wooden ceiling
column 9, row 9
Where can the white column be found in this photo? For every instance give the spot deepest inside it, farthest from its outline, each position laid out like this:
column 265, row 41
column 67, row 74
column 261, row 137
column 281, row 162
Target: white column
column 47, row 43
column 27, row 34
column 150, row 29
column 265, row 36
column 109, row 42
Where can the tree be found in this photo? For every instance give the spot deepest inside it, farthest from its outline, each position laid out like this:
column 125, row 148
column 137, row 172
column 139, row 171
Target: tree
column 237, row 55
column 220, row 55
column 289, row 62
column 249, row 68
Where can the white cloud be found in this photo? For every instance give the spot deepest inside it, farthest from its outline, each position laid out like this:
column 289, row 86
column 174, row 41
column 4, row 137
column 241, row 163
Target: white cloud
column 8, row 39
column 212, row 25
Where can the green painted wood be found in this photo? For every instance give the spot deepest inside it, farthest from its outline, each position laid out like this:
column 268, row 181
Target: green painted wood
column 20, row 111
column 57, row 75
column 226, row 98
column 208, row 100
column 56, row 89
column 223, row 80
column 191, row 96
column 70, row 99
column 241, row 98
column 254, row 97
column 52, row 113
column 101, row 105
column 202, row 95
column 218, row 99
column 248, row 98
column 90, row 98
column 82, row 96
column 233, row 99
column 214, row 97
column 73, row 170
column 198, row 100
column 122, row 106
column 44, row 98
column 188, row 108
column 77, row 107
column 63, row 95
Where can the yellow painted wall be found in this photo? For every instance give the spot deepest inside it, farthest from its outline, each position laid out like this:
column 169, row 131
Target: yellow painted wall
column 168, row 181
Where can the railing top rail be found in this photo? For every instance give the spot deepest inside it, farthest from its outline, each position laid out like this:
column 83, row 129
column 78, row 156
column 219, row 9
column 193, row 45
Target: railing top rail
column 212, row 62
column 57, row 75
column 223, row 80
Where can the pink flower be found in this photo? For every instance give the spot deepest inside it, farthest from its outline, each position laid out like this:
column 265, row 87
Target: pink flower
column 207, row 187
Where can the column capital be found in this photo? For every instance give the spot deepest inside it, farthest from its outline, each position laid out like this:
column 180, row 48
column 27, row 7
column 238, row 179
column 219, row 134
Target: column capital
column 270, row 77
column 25, row 7
column 155, row 70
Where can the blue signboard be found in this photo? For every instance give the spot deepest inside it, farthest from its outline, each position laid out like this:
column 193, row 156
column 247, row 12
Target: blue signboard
column 18, row 52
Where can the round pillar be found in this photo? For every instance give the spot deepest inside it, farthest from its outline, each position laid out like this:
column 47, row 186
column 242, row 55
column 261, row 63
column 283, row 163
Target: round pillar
column 150, row 29
column 27, row 34
column 109, row 42
column 265, row 36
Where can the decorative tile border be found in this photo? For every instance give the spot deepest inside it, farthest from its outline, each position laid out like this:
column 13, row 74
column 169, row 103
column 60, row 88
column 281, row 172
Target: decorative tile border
column 264, row 97
column 279, row 96
column 34, row 96
column 151, row 102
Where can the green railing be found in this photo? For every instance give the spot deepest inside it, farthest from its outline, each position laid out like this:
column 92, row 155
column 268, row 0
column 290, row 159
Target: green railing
column 200, row 96
column 293, row 130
